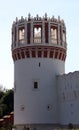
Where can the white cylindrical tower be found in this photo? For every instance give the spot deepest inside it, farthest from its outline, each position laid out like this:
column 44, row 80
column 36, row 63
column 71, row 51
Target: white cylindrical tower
column 39, row 52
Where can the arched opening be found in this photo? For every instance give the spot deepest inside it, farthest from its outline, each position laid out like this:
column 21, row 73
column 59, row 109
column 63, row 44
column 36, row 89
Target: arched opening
column 37, row 35
column 21, row 34
column 53, row 35
column 64, row 36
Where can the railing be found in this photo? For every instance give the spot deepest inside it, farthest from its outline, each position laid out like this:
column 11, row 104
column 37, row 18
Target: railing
column 21, row 41
column 54, row 41
column 37, row 40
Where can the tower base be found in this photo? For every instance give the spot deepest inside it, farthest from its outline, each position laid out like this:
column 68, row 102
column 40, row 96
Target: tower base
column 37, row 127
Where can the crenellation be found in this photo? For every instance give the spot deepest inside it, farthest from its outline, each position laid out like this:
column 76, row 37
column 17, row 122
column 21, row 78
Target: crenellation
column 45, row 16
column 22, row 19
column 47, row 30
column 37, row 18
column 16, row 19
column 58, row 18
column 29, row 16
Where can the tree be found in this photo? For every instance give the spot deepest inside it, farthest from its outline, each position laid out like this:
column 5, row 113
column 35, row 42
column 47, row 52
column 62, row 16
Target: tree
column 1, row 94
column 6, row 102
column 2, row 128
column 8, row 99
column 10, row 126
column 3, row 109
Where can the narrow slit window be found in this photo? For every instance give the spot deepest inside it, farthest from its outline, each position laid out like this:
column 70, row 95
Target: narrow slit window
column 39, row 64
column 35, row 85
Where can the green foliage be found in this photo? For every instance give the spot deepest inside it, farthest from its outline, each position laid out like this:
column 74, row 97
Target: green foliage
column 2, row 128
column 10, row 126
column 3, row 109
column 1, row 94
column 6, row 102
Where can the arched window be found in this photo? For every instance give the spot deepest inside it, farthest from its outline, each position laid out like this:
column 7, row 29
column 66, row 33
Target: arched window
column 64, row 36
column 53, row 35
column 21, row 35
column 37, row 35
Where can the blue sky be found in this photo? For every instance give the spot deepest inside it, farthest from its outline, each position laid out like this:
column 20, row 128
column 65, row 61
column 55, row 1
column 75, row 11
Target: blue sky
column 9, row 10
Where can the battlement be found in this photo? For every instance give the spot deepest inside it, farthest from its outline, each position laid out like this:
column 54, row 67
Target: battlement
column 39, row 31
column 39, row 19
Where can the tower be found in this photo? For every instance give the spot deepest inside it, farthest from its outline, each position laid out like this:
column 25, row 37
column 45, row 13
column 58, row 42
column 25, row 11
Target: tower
column 39, row 52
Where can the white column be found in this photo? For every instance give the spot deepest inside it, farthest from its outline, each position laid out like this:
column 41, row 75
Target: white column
column 58, row 34
column 17, row 42
column 43, row 32
column 13, row 37
column 65, row 38
column 25, row 33
column 62, row 35
column 31, row 40
column 16, row 33
column 49, row 32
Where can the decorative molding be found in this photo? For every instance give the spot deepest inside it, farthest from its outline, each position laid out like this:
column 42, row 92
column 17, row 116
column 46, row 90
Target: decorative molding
column 39, row 51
